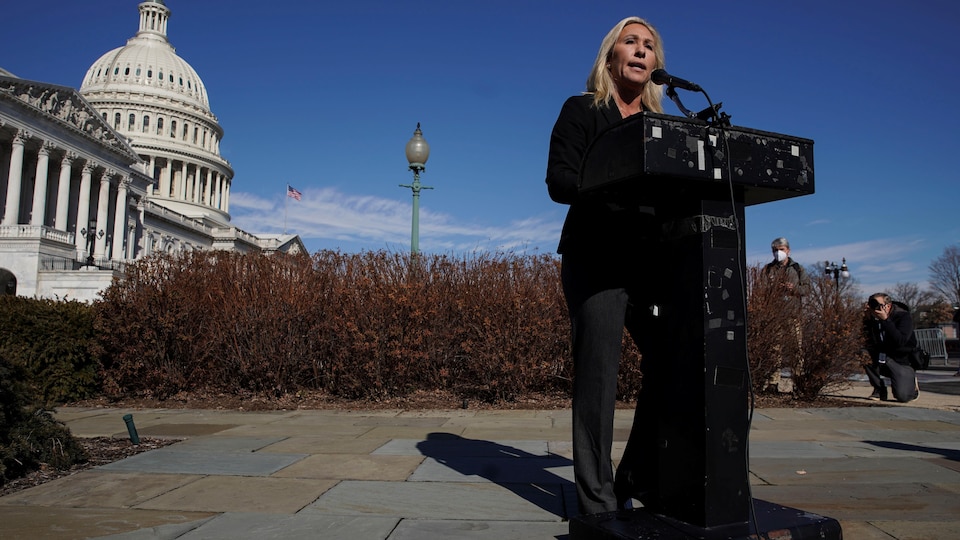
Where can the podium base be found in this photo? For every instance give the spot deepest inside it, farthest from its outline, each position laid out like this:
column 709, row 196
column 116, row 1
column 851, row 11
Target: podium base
column 773, row 521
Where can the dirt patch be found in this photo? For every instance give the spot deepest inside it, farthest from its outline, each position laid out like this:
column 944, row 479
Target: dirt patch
column 99, row 450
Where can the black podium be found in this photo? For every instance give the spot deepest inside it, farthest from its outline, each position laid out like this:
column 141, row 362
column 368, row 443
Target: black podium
column 699, row 177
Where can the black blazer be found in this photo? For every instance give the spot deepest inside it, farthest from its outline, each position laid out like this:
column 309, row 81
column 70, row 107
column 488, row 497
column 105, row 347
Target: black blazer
column 594, row 224
column 894, row 336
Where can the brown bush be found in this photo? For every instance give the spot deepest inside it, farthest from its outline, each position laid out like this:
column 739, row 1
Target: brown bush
column 369, row 325
column 819, row 342
column 378, row 325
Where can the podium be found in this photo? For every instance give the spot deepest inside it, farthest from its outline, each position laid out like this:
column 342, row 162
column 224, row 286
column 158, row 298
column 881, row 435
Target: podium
column 699, row 178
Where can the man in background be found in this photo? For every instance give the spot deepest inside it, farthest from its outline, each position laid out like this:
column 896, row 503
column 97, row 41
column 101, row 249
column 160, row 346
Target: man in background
column 794, row 283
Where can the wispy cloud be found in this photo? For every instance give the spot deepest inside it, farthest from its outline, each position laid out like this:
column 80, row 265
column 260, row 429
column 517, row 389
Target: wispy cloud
column 327, row 216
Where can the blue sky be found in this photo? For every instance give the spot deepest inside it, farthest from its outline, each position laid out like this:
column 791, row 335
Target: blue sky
column 324, row 96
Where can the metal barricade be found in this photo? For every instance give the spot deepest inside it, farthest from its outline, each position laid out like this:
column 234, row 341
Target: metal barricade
column 933, row 341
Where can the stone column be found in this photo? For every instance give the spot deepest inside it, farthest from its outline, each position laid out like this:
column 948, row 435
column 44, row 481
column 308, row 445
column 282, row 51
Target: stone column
column 195, row 184
column 218, row 190
column 182, row 192
column 38, row 213
column 207, row 188
column 153, row 178
column 63, row 193
column 139, row 248
column 226, row 195
column 103, row 216
column 11, row 214
column 165, row 176
column 120, row 219
column 83, row 210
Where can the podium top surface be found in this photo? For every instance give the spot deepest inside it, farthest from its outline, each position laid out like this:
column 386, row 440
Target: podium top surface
column 660, row 157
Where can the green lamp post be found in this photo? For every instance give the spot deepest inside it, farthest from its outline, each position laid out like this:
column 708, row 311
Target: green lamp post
column 418, row 151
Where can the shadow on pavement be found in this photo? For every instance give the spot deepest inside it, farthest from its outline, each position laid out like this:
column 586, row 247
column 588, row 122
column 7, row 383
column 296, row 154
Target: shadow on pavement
column 951, row 388
column 949, row 453
column 527, row 475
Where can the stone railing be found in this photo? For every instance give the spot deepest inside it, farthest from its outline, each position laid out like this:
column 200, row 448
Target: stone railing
column 36, row 232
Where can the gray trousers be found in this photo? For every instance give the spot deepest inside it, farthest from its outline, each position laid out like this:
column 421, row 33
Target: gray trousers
column 603, row 297
column 903, row 379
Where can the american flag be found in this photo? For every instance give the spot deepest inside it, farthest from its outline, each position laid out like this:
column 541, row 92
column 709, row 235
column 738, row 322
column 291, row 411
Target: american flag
column 293, row 193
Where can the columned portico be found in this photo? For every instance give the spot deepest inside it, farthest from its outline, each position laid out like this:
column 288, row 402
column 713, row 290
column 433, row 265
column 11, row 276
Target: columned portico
column 140, row 169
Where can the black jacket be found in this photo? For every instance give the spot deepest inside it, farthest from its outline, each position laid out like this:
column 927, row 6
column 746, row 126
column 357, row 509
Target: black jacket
column 894, row 336
column 594, row 224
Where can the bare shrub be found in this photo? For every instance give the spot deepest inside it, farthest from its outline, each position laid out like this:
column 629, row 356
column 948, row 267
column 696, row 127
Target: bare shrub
column 832, row 337
column 370, row 325
column 377, row 325
column 819, row 343
column 772, row 338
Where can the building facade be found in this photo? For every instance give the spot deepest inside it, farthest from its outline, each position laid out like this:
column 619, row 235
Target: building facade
column 125, row 167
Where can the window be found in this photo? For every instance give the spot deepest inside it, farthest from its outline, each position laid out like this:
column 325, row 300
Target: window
column 126, row 70
column 160, row 78
column 173, row 128
column 138, row 72
column 159, row 126
column 116, row 70
column 131, row 121
column 149, row 73
column 146, row 123
column 171, row 78
column 195, row 130
column 116, row 121
column 184, row 131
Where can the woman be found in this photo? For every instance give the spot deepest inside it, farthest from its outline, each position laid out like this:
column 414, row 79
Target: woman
column 606, row 245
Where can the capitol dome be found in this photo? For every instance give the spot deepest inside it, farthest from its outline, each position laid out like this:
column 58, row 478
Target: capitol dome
column 157, row 100
column 148, row 62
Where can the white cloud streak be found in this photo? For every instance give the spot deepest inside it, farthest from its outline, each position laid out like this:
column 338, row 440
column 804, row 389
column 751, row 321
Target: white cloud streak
column 327, row 216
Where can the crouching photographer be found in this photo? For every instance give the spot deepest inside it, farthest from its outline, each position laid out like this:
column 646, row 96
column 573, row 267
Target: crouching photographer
column 890, row 342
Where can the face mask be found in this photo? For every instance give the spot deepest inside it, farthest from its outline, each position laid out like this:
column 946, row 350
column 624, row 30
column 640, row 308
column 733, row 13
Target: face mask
column 780, row 256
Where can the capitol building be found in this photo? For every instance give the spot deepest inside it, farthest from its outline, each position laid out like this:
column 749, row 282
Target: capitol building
column 127, row 166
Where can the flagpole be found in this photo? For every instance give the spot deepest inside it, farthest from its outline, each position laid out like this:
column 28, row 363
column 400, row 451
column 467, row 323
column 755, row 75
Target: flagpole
column 286, row 196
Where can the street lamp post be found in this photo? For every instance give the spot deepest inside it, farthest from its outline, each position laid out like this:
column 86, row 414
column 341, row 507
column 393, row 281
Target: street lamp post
column 90, row 233
column 831, row 268
column 417, row 153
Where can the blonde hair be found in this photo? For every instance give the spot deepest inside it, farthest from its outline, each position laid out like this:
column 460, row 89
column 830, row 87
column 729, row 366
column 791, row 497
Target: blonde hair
column 600, row 82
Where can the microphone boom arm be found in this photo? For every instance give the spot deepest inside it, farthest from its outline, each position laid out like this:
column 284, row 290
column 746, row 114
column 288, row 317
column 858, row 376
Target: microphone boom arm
column 711, row 115
column 672, row 94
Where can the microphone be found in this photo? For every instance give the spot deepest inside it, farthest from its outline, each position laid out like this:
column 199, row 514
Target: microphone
column 660, row 76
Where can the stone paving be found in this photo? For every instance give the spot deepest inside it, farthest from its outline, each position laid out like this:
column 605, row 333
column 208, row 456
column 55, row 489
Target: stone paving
column 887, row 471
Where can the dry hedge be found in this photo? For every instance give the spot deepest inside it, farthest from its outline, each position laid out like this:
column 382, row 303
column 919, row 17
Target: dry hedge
column 377, row 325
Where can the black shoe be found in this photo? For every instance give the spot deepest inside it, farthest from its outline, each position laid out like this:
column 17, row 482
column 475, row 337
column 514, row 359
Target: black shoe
column 879, row 394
